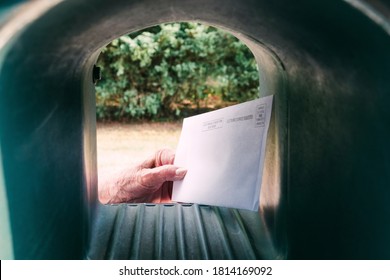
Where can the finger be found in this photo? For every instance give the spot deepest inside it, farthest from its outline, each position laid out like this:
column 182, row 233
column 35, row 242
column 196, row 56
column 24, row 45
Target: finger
column 164, row 157
column 164, row 194
column 161, row 157
column 155, row 177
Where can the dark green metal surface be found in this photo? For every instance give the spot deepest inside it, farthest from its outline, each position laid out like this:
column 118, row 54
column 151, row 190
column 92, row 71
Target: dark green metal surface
column 326, row 188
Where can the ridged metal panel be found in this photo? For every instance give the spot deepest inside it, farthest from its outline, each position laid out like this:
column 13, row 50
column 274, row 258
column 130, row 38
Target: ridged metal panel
column 178, row 231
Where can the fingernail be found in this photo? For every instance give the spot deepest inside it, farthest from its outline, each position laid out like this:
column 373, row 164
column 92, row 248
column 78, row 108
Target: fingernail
column 180, row 172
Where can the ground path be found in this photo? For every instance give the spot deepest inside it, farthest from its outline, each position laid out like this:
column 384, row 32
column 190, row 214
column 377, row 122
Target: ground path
column 121, row 145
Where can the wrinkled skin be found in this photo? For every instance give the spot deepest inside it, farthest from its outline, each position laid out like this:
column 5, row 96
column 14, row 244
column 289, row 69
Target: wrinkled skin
column 151, row 181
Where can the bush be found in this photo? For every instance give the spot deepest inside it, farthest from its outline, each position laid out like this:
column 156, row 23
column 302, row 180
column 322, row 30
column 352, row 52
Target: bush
column 169, row 70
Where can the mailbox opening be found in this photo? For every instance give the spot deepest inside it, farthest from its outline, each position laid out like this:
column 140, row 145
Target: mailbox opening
column 152, row 78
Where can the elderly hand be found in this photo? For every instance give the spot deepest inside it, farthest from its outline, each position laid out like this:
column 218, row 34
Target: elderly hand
column 150, row 181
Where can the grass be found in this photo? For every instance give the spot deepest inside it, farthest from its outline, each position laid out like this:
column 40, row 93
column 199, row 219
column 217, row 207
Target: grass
column 122, row 145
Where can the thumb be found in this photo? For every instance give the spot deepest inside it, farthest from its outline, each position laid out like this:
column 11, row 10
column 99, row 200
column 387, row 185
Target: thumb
column 155, row 177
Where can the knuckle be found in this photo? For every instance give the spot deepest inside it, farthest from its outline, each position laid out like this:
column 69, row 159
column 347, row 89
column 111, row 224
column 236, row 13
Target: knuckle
column 144, row 178
column 167, row 156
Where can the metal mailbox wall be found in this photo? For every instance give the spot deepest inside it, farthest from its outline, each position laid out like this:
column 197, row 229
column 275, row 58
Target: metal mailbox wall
column 327, row 180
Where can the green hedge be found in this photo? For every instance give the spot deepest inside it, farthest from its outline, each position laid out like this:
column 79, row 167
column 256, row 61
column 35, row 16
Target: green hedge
column 173, row 70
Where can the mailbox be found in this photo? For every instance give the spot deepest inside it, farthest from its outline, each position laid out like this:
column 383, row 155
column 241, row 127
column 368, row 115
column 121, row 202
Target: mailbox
column 326, row 183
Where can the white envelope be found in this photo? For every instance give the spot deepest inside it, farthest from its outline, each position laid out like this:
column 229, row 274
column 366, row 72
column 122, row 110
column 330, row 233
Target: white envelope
column 224, row 152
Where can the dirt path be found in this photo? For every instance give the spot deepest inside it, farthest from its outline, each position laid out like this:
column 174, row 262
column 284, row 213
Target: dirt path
column 121, row 145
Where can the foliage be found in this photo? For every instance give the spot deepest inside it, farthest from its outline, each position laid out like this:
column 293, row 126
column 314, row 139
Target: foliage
column 163, row 71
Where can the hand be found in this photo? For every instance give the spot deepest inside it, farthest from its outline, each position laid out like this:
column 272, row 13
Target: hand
column 150, row 181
